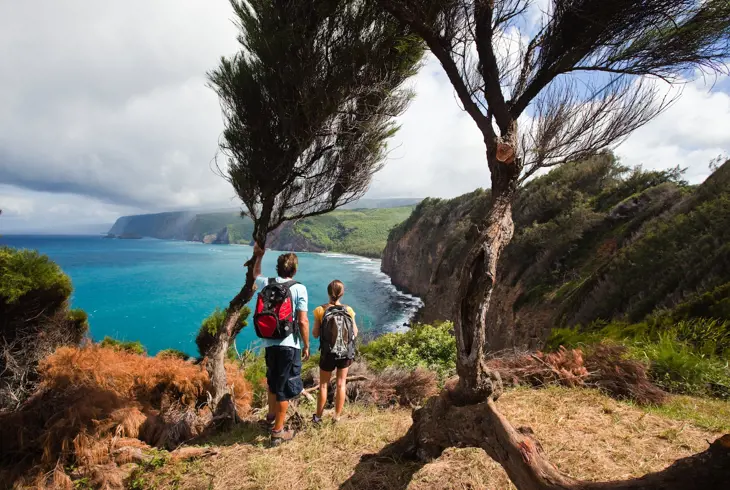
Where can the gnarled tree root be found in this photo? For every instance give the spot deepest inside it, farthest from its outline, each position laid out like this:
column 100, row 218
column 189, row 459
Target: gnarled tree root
column 442, row 423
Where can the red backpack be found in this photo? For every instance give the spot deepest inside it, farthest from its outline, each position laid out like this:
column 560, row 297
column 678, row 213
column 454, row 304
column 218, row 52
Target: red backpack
column 274, row 314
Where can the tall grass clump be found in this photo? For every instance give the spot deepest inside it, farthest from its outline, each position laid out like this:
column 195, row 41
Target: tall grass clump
column 432, row 347
column 253, row 364
column 679, row 368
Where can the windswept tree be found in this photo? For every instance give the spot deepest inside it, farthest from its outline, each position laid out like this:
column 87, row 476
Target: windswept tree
column 308, row 105
column 581, row 80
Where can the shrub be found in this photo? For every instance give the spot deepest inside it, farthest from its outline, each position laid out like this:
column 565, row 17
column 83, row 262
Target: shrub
column 95, row 400
column 429, row 346
column 131, row 346
column 173, row 354
column 34, row 319
column 26, row 272
column 253, row 365
column 677, row 367
column 603, row 366
column 209, row 328
column 682, row 357
column 710, row 304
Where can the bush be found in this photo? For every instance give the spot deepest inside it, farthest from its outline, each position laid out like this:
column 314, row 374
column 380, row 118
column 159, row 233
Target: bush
column 678, row 368
column 133, row 347
column 253, row 365
column 34, row 319
column 209, row 328
column 710, row 304
column 688, row 357
column 428, row 346
column 173, row 354
column 95, row 400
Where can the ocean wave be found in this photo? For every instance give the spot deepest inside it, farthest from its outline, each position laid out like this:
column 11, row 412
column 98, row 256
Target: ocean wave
column 410, row 304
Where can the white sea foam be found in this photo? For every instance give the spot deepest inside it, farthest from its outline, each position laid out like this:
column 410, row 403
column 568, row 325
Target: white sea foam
column 411, row 304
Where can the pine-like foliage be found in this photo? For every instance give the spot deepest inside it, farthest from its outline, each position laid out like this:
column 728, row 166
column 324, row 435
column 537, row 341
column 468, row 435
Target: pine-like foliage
column 309, row 103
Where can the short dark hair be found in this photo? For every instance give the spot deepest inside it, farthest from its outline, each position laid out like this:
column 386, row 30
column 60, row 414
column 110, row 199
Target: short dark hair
column 286, row 265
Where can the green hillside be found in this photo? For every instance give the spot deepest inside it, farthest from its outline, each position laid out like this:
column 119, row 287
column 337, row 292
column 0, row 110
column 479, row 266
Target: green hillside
column 594, row 242
column 360, row 232
column 354, row 231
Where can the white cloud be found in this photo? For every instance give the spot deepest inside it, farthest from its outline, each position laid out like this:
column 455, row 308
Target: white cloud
column 108, row 100
column 16, row 206
column 693, row 131
column 104, row 111
column 26, row 210
column 439, row 150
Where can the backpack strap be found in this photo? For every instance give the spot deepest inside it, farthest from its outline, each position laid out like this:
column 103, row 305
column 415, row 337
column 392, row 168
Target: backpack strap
column 272, row 280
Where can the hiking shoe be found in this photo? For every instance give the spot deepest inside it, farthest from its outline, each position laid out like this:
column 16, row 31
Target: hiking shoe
column 280, row 437
column 316, row 420
column 268, row 422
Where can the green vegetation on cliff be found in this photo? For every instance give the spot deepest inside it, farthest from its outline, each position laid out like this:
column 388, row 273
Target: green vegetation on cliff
column 600, row 252
column 359, row 232
column 354, row 231
column 239, row 229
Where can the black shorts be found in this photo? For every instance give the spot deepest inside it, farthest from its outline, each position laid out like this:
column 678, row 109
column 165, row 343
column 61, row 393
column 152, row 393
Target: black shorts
column 284, row 372
column 329, row 363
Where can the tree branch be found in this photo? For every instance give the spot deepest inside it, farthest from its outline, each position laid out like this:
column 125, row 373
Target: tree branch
column 436, row 45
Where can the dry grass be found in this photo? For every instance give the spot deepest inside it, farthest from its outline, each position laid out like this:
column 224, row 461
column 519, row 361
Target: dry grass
column 93, row 400
column 604, row 366
column 142, row 378
column 585, row 433
column 392, row 387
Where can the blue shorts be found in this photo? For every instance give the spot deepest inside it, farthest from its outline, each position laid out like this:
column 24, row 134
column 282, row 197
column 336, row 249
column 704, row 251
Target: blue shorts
column 284, row 372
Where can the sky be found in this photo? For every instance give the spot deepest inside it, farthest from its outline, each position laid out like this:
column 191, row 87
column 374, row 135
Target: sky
column 104, row 111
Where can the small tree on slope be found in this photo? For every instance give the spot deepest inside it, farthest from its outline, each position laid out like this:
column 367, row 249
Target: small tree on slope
column 585, row 78
column 308, row 105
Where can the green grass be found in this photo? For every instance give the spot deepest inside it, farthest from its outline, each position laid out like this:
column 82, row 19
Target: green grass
column 706, row 413
column 359, row 232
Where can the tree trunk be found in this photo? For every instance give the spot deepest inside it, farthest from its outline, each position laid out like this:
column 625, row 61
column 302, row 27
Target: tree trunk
column 221, row 401
column 443, row 423
column 478, row 277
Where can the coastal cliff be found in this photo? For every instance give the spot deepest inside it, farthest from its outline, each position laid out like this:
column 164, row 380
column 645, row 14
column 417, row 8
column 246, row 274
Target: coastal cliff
column 361, row 231
column 594, row 242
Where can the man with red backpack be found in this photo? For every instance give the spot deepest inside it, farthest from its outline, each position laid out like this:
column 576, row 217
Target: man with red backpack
column 280, row 320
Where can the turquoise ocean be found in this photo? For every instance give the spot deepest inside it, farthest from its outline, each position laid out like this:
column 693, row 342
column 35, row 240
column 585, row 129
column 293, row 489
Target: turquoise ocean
column 158, row 292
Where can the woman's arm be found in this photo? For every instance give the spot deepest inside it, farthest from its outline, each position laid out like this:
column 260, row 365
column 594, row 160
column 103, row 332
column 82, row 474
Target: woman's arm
column 317, row 323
